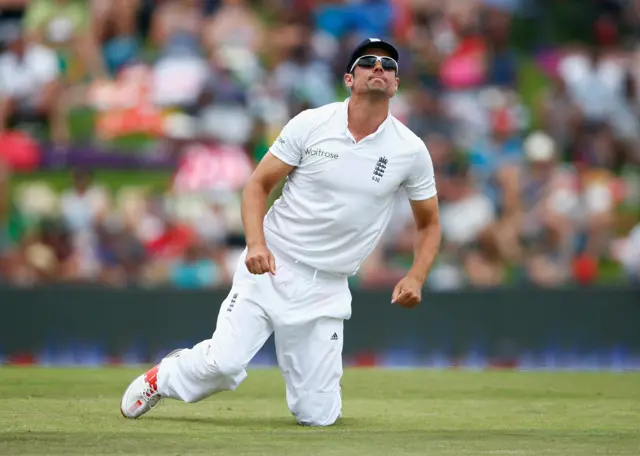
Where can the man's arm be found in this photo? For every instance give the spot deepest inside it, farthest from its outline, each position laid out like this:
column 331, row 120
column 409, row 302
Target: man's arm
column 266, row 176
column 426, row 216
column 420, row 186
column 408, row 292
column 283, row 156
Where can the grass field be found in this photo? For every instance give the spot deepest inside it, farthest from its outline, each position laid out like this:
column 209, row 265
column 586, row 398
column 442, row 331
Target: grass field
column 75, row 411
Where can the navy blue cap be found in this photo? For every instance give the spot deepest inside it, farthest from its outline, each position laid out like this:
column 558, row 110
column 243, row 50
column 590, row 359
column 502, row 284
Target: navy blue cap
column 359, row 51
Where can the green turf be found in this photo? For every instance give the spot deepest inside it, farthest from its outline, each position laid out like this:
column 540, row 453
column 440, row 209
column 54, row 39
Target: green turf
column 111, row 179
column 386, row 412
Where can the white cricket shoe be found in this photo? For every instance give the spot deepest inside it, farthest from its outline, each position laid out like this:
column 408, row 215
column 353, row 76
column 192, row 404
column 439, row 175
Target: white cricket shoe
column 142, row 394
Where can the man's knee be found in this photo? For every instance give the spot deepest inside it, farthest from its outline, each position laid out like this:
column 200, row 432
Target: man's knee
column 319, row 422
column 317, row 409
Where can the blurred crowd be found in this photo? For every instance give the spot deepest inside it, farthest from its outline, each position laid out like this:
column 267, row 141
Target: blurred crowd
column 535, row 139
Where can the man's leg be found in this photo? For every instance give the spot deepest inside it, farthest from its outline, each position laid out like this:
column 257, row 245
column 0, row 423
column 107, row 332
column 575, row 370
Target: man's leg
column 212, row 365
column 217, row 364
column 310, row 358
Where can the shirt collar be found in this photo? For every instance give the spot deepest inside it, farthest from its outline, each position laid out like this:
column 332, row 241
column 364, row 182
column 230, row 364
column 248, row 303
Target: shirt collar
column 345, row 120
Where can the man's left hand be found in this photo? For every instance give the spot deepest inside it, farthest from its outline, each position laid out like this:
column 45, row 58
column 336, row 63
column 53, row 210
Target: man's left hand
column 407, row 292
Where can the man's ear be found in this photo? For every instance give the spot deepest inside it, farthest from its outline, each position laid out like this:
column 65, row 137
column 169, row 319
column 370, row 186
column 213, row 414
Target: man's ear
column 348, row 80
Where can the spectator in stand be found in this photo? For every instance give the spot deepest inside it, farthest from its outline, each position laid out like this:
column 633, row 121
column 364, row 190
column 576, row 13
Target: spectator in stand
column 626, row 119
column 627, row 252
column 223, row 106
column 594, row 209
column 428, row 116
column 180, row 72
column 30, row 88
column 176, row 21
column 114, row 25
column 235, row 25
column 172, row 242
column 495, row 165
column 120, row 253
column 559, row 115
column 48, row 255
column 468, row 219
column 83, row 204
column 196, row 269
column 547, row 232
column 305, row 79
column 208, row 90
column 594, row 83
column 65, row 26
column 502, row 65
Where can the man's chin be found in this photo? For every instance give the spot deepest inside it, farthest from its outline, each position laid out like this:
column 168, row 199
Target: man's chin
column 378, row 92
column 380, row 87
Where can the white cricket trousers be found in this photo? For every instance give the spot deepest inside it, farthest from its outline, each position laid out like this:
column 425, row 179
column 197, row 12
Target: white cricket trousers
column 304, row 307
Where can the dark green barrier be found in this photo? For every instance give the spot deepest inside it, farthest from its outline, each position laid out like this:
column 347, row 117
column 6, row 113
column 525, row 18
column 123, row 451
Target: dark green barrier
column 502, row 323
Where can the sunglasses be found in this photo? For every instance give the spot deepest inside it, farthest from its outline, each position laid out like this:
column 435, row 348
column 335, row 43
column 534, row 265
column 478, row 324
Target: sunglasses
column 369, row 61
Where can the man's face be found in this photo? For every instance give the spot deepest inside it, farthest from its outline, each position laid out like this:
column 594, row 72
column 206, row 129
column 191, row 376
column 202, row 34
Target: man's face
column 375, row 81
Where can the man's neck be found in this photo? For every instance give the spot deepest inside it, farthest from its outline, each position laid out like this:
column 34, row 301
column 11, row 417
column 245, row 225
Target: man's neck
column 366, row 115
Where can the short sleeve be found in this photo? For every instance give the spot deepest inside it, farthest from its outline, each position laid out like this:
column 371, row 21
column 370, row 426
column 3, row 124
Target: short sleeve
column 421, row 182
column 289, row 146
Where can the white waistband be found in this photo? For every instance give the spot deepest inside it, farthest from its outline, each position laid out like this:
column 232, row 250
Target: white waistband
column 303, row 268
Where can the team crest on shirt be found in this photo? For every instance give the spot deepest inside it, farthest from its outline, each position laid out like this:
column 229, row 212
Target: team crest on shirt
column 378, row 171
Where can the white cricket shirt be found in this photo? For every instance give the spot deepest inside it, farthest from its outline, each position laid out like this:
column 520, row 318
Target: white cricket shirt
column 337, row 202
column 24, row 78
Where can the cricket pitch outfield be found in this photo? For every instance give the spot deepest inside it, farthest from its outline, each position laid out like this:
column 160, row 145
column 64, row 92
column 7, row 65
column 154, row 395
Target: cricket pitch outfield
column 386, row 412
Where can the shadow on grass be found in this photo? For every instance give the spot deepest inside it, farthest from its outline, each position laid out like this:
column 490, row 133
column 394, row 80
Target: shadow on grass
column 246, row 422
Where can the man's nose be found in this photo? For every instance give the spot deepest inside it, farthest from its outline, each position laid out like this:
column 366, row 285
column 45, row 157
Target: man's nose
column 378, row 66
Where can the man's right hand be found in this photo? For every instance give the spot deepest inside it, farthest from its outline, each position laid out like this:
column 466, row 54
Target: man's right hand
column 260, row 260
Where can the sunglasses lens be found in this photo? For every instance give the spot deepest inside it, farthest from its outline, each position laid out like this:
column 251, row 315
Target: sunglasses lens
column 367, row 62
column 389, row 64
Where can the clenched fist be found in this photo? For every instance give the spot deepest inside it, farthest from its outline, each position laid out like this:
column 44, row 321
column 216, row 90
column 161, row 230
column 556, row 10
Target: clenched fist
column 407, row 293
column 260, row 260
